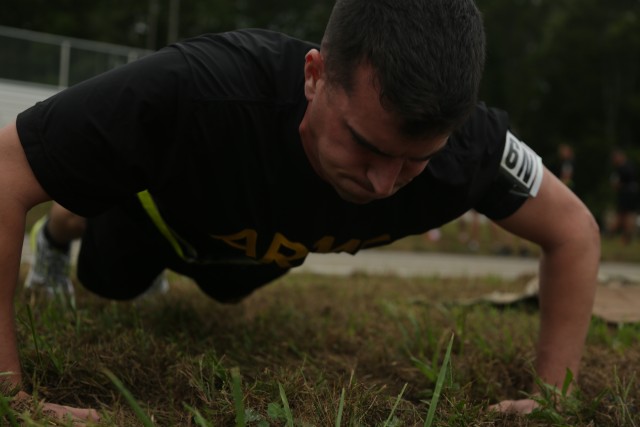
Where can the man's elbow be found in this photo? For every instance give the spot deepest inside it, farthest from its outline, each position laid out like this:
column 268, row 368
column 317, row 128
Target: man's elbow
column 578, row 233
column 586, row 231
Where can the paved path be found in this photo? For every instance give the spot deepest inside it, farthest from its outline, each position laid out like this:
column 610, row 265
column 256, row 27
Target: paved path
column 428, row 264
column 446, row 265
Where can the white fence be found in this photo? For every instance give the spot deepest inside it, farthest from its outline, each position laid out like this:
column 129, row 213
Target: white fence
column 34, row 66
column 17, row 96
column 53, row 59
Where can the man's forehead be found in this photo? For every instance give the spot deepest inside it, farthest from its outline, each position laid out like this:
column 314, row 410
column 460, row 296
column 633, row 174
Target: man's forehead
column 374, row 125
column 399, row 145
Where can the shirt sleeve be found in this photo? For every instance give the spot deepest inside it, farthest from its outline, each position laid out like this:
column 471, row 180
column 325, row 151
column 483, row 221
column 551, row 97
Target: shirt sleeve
column 89, row 146
column 504, row 171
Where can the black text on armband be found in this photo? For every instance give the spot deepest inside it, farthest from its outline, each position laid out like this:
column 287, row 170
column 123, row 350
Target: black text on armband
column 522, row 166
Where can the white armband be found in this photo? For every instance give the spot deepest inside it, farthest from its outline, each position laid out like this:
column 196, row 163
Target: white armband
column 522, row 166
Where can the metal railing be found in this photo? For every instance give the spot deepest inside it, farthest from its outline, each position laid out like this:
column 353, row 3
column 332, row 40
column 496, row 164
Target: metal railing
column 32, row 56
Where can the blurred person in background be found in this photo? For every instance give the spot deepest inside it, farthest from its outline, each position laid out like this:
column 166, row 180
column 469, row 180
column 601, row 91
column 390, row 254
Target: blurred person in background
column 564, row 167
column 624, row 181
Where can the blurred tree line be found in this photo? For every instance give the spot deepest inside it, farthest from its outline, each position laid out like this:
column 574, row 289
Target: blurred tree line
column 568, row 71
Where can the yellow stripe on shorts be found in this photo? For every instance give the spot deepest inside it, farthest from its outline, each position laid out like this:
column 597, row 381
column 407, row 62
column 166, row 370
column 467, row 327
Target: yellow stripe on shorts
column 152, row 210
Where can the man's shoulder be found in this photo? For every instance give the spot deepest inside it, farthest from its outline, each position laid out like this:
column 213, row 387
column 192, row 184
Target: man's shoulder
column 258, row 38
column 246, row 64
column 484, row 123
column 483, row 132
column 251, row 42
column 475, row 147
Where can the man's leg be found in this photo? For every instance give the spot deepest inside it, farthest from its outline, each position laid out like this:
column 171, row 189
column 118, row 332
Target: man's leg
column 64, row 226
column 51, row 239
column 122, row 253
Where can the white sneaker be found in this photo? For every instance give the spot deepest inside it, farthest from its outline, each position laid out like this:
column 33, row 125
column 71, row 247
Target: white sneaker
column 51, row 266
column 159, row 286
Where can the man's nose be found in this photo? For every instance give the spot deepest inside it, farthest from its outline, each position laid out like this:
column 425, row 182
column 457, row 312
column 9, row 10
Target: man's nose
column 383, row 175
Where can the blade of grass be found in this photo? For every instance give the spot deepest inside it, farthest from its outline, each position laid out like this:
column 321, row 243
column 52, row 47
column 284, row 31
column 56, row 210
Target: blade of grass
column 197, row 416
column 6, row 411
column 428, row 371
column 144, row 418
column 32, row 327
column 285, row 403
column 340, row 409
column 441, row 376
column 236, row 389
column 622, row 395
column 568, row 379
column 395, row 405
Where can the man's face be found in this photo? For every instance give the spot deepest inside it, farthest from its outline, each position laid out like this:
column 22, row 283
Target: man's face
column 353, row 143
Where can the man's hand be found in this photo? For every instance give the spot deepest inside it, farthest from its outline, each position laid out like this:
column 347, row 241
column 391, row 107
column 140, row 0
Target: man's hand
column 521, row 407
column 19, row 192
column 78, row 416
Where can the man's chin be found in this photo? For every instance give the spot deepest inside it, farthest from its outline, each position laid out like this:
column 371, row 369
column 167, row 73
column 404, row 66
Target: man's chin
column 357, row 199
column 353, row 192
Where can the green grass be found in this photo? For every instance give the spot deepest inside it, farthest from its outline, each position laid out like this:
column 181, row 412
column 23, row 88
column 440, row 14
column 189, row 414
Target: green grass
column 318, row 351
column 313, row 351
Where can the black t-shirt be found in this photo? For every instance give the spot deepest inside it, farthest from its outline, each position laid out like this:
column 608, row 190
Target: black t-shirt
column 210, row 127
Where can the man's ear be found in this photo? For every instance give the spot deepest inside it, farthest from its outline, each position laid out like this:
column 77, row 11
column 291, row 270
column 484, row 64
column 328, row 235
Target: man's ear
column 313, row 72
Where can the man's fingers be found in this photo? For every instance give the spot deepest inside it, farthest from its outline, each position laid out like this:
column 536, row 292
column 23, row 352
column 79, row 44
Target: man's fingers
column 78, row 416
column 522, row 406
column 24, row 401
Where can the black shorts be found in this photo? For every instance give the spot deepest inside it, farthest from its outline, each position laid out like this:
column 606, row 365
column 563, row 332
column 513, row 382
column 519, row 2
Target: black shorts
column 122, row 252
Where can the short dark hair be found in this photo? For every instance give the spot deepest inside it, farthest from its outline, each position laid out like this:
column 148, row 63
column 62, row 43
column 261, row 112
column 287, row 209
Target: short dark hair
column 428, row 57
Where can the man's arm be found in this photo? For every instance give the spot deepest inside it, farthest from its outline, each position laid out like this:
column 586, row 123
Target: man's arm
column 19, row 192
column 570, row 241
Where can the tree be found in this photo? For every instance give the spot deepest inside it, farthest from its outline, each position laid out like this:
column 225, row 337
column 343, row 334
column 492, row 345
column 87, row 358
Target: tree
column 567, row 71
